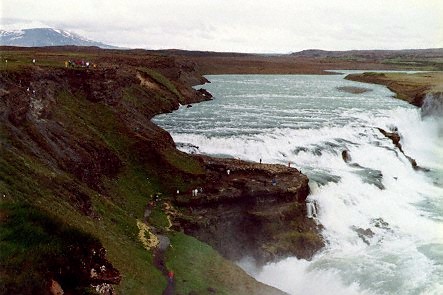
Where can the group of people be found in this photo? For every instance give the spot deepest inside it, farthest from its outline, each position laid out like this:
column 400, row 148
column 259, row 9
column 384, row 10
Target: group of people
column 196, row 191
column 79, row 63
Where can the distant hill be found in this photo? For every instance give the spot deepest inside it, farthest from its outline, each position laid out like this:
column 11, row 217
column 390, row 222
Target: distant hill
column 372, row 54
column 40, row 37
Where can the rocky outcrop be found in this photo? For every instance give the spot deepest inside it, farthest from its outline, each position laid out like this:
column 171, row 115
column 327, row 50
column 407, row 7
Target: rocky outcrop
column 353, row 90
column 250, row 209
column 34, row 103
column 346, row 156
column 395, row 137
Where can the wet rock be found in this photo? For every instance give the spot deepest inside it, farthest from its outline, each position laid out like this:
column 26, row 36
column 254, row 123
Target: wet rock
column 353, row 89
column 380, row 223
column 368, row 175
column 395, row 137
column 364, row 234
column 371, row 176
column 323, row 178
column 346, row 156
column 205, row 93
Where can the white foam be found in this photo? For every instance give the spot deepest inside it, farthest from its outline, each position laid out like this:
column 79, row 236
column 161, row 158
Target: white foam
column 297, row 277
column 290, row 125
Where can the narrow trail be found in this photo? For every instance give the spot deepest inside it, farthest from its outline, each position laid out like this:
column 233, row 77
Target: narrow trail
column 159, row 255
column 159, row 263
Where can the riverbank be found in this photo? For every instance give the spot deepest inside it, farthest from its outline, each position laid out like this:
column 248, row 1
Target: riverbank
column 412, row 88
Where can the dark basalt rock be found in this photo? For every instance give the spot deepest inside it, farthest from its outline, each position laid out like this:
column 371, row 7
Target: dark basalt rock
column 205, row 93
column 243, row 214
column 364, row 234
column 346, row 156
column 395, row 137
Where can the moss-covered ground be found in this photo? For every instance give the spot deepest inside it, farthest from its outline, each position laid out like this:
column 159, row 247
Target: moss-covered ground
column 40, row 215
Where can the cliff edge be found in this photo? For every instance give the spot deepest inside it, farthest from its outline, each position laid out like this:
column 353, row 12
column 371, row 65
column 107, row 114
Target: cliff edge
column 77, row 144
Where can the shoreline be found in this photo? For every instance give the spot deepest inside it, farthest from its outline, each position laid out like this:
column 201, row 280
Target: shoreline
column 80, row 144
column 411, row 88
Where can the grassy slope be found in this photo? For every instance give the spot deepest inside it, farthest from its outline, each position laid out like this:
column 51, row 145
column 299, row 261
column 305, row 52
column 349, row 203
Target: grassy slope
column 28, row 183
column 25, row 180
column 188, row 257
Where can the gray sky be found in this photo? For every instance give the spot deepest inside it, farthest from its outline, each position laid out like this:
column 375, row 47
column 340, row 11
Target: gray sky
column 277, row 26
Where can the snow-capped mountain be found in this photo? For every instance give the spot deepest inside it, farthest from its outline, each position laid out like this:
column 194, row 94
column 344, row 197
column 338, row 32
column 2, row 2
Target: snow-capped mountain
column 45, row 37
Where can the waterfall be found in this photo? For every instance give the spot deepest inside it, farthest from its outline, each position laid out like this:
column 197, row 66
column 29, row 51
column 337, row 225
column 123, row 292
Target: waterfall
column 433, row 105
column 311, row 210
column 381, row 219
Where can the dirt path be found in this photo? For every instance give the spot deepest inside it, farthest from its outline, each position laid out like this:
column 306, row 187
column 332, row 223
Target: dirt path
column 159, row 263
column 159, row 254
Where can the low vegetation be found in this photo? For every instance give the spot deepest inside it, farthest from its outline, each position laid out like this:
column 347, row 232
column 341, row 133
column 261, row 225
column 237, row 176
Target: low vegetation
column 52, row 215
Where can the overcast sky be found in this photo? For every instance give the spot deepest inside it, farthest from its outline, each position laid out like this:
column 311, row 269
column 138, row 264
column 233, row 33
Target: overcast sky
column 262, row 26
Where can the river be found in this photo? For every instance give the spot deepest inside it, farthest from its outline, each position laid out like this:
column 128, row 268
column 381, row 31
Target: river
column 383, row 220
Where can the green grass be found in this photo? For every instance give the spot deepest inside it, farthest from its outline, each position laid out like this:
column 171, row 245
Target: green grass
column 17, row 59
column 41, row 200
column 91, row 121
column 194, row 265
column 162, row 80
column 132, row 189
column 33, row 240
column 118, row 232
column 115, row 227
column 184, row 162
column 158, row 218
column 25, row 179
column 198, row 269
column 151, row 102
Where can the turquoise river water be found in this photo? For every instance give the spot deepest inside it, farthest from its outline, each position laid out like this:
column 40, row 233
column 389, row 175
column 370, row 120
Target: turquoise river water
column 306, row 120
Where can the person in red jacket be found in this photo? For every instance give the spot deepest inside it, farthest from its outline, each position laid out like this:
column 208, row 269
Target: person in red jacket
column 170, row 276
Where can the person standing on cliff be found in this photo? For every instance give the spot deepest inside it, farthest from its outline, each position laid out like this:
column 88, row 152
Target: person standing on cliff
column 170, row 277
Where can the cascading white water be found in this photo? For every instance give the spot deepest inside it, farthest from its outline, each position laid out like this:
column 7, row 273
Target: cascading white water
column 383, row 220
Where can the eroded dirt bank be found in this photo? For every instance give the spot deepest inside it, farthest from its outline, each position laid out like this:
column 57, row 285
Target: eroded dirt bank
column 412, row 88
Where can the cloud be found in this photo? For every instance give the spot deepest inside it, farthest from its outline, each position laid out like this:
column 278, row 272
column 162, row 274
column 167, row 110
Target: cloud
column 247, row 25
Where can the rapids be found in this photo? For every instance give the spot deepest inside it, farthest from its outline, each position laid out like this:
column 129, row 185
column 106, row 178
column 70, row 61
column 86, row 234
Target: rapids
column 383, row 220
